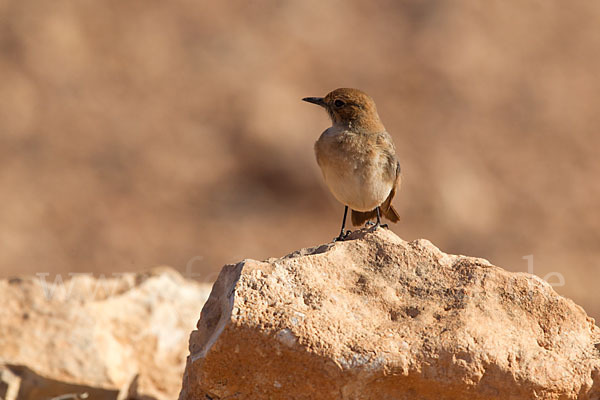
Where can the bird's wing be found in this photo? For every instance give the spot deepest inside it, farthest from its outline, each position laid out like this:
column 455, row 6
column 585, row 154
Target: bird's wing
column 385, row 145
column 393, row 173
column 398, row 176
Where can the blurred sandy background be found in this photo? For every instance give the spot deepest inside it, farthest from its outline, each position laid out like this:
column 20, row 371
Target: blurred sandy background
column 141, row 133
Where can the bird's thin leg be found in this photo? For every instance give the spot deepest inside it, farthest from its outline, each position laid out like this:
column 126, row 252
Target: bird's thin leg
column 342, row 235
column 378, row 224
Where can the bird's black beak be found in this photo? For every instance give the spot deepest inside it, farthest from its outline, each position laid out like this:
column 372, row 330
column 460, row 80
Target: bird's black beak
column 315, row 100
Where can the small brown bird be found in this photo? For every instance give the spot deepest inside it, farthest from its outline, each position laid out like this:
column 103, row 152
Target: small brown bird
column 357, row 157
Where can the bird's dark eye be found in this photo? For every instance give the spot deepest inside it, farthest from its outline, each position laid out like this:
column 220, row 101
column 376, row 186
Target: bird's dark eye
column 339, row 103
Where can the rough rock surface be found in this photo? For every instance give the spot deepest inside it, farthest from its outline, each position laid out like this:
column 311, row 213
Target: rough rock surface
column 112, row 338
column 376, row 317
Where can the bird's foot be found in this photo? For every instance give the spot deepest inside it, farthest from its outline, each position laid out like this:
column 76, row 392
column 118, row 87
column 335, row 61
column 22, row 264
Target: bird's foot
column 343, row 236
column 375, row 225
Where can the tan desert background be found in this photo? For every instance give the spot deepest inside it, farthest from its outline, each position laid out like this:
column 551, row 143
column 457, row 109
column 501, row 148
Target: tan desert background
column 143, row 133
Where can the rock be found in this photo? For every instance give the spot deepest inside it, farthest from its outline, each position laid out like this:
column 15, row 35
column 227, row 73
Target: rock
column 376, row 317
column 105, row 338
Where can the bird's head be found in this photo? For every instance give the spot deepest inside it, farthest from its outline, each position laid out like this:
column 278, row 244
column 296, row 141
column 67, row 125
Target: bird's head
column 351, row 108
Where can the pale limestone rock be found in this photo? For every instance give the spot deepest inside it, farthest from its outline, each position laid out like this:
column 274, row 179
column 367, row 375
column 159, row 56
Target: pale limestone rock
column 108, row 337
column 376, row 317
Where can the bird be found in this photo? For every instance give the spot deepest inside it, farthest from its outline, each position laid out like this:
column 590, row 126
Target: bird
column 358, row 158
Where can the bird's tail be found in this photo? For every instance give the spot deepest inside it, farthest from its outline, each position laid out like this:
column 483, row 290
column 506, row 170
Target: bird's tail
column 387, row 210
column 391, row 214
column 359, row 217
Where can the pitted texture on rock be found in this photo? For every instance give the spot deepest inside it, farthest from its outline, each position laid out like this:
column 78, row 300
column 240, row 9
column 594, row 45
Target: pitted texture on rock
column 376, row 317
column 112, row 338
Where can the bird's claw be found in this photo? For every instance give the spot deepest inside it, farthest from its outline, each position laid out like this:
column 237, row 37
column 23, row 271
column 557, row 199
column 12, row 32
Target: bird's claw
column 375, row 225
column 342, row 236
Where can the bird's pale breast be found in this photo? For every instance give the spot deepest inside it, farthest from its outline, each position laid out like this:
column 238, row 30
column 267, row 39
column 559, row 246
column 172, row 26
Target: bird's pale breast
column 359, row 169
